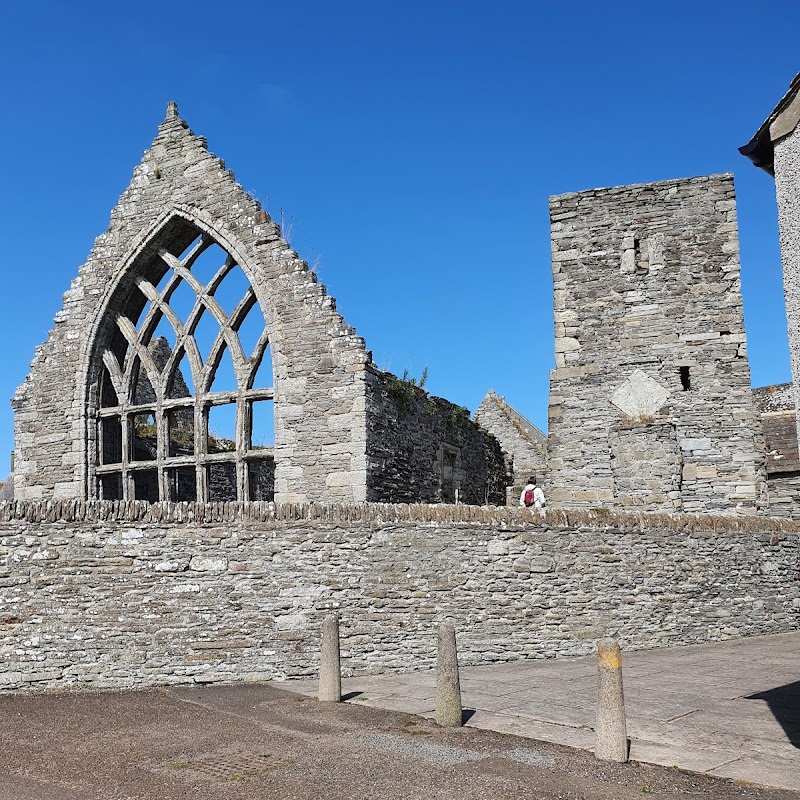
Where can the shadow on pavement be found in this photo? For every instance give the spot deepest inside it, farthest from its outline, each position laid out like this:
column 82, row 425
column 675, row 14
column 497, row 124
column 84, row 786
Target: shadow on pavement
column 784, row 703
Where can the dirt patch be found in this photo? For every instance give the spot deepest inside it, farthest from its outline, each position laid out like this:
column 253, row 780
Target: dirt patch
column 256, row 742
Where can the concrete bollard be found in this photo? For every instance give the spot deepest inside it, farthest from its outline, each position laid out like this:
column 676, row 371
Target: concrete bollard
column 330, row 667
column 611, row 735
column 448, row 686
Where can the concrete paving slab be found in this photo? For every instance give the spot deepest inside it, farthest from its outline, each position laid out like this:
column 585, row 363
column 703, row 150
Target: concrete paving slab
column 763, row 771
column 557, row 715
column 666, row 755
column 685, row 706
column 581, row 738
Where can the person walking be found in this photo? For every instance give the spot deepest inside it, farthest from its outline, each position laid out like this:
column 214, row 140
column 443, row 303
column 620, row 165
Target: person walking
column 532, row 496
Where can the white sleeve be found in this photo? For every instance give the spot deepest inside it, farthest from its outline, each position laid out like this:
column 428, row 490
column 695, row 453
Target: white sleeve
column 539, row 495
column 522, row 497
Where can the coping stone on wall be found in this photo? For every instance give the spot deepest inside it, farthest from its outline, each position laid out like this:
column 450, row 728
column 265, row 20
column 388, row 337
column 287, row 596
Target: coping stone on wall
column 381, row 514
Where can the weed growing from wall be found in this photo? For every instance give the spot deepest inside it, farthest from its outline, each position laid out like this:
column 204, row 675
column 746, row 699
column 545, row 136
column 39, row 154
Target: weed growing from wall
column 457, row 417
column 404, row 390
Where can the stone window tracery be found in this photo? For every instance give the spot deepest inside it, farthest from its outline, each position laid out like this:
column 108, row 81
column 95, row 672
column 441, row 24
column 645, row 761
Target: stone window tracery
column 186, row 370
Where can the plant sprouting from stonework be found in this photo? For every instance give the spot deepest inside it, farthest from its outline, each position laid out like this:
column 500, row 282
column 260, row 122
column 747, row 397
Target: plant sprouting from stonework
column 455, row 419
column 287, row 227
column 404, row 390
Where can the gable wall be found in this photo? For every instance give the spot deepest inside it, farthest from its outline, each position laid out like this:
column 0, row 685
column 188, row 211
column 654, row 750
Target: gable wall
column 522, row 442
column 318, row 361
column 787, row 190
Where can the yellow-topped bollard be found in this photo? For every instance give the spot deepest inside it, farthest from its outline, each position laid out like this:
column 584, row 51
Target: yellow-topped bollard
column 611, row 735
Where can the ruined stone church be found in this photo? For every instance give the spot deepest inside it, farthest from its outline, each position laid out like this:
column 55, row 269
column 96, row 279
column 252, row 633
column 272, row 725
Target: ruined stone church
column 106, row 411
column 650, row 406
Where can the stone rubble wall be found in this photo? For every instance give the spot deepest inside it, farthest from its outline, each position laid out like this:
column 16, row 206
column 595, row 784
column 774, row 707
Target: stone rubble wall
column 647, row 465
column 784, row 495
column 409, row 433
column 127, row 594
column 774, row 398
column 318, row 360
column 647, row 294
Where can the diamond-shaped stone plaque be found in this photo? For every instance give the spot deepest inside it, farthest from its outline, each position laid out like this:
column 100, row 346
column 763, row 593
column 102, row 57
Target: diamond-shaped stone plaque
column 640, row 395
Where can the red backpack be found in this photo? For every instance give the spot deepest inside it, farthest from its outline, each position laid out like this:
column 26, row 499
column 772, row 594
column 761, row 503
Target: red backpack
column 529, row 497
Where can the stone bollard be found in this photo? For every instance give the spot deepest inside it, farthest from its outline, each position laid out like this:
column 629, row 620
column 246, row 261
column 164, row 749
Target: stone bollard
column 448, row 687
column 611, row 736
column 330, row 668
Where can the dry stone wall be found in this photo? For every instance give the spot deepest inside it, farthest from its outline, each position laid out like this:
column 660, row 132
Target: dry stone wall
column 649, row 332
column 112, row 594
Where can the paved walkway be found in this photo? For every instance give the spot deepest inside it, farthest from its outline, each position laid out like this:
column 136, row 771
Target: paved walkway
column 730, row 709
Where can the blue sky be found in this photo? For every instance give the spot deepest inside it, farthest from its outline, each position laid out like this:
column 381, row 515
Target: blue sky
column 411, row 146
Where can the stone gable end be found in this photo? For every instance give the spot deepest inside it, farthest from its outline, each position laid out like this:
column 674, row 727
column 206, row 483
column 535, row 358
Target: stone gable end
column 180, row 190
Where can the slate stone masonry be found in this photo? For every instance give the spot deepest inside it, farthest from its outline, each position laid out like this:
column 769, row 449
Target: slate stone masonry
column 649, row 334
column 110, row 595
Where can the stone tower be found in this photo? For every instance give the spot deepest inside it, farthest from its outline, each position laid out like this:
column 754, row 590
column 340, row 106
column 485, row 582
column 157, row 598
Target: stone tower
column 650, row 402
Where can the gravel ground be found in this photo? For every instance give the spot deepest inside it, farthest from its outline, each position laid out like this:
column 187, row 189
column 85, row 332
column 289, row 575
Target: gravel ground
column 257, row 741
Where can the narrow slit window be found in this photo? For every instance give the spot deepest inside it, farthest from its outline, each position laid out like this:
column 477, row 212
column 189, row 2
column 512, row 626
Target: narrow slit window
column 145, row 485
column 221, row 479
column 261, row 479
column 221, row 428
column 181, row 431
column 182, row 484
column 111, row 486
column 685, row 381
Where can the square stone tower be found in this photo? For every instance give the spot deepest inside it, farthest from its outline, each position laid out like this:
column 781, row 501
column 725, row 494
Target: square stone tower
column 650, row 401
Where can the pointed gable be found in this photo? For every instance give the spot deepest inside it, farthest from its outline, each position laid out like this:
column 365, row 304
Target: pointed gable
column 181, row 193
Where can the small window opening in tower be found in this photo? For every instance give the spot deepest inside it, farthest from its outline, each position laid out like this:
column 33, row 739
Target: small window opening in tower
column 640, row 259
column 685, row 382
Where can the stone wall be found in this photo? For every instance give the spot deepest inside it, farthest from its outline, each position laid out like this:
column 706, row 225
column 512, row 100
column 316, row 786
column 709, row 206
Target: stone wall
column 424, row 449
column 107, row 594
column 646, row 464
column 649, row 331
column 523, row 443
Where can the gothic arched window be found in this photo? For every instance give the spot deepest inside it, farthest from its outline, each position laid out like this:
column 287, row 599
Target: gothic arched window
column 184, row 400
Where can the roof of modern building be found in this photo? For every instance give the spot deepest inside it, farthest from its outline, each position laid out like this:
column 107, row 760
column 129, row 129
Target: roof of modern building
column 782, row 120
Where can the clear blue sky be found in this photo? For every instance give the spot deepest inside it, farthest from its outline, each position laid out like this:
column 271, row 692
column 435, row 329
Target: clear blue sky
column 412, row 145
